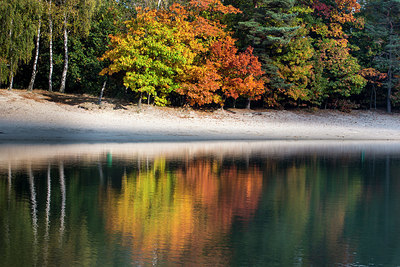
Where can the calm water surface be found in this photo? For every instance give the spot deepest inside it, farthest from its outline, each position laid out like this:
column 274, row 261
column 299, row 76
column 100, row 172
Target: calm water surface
column 208, row 204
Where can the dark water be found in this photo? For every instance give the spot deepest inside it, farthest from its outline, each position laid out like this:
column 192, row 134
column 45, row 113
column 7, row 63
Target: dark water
column 247, row 204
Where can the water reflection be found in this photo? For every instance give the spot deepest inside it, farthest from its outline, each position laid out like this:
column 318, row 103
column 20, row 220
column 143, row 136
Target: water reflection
column 34, row 213
column 181, row 213
column 302, row 219
column 280, row 204
column 62, row 189
column 47, row 218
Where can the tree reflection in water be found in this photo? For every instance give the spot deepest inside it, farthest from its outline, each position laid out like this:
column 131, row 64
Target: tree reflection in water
column 182, row 214
column 210, row 209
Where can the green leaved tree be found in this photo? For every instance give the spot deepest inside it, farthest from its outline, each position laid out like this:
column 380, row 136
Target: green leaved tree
column 336, row 74
column 19, row 21
column 77, row 16
column 151, row 54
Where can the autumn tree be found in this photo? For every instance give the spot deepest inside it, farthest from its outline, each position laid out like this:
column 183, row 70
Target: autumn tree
column 203, row 81
column 151, row 54
column 176, row 51
column 240, row 72
column 337, row 72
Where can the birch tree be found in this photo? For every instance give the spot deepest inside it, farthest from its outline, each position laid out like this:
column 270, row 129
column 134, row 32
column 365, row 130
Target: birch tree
column 19, row 22
column 50, row 20
column 35, row 61
column 77, row 16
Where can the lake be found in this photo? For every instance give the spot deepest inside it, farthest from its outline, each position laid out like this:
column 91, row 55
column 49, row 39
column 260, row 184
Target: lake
column 313, row 203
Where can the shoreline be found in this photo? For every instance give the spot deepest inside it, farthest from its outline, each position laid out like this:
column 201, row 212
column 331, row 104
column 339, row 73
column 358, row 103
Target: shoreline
column 43, row 117
column 41, row 155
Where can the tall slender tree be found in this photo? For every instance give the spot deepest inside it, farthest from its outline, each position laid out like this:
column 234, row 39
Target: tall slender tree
column 77, row 15
column 50, row 16
column 35, row 61
column 65, row 31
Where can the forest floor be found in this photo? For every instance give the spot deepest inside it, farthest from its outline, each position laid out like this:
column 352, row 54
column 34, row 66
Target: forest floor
column 43, row 117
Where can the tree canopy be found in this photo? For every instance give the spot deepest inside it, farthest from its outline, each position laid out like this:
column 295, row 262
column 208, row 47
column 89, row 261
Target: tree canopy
column 279, row 53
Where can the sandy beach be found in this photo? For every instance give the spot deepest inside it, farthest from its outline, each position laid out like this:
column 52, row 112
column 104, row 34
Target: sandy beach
column 42, row 117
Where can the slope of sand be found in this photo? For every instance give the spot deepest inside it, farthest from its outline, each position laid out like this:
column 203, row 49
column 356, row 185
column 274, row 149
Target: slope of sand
column 41, row 117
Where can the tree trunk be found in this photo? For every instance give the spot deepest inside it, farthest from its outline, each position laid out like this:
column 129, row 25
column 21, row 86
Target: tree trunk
column 223, row 102
column 389, row 88
column 102, row 91
column 388, row 100
column 65, row 70
column 140, row 100
column 10, row 86
column 372, row 104
column 35, row 62
column 248, row 104
column 371, row 98
column 50, row 49
column 11, row 78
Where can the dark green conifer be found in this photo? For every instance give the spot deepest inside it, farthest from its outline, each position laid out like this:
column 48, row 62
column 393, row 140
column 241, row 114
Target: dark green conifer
column 383, row 25
column 270, row 27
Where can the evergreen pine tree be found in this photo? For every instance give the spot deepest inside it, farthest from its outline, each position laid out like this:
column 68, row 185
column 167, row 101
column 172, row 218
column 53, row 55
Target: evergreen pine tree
column 270, row 27
column 383, row 17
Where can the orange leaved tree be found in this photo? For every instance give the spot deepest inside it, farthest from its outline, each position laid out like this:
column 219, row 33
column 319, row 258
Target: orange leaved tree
column 241, row 72
column 184, row 50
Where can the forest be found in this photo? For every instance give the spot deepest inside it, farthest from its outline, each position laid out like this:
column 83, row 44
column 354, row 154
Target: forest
column 335, row 54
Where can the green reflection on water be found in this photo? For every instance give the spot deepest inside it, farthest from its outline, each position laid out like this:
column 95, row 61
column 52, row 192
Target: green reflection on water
column 302, row 214
column 302, row 209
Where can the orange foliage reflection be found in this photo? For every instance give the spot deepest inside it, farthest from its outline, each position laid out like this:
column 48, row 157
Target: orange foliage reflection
column 182, row 214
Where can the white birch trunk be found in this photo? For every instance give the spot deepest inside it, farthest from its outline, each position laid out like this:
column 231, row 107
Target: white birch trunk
column 102, row 91
column 50, row 48
column 65, row 70
column 11, row 78
column 10, row 86
column 35, row 62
